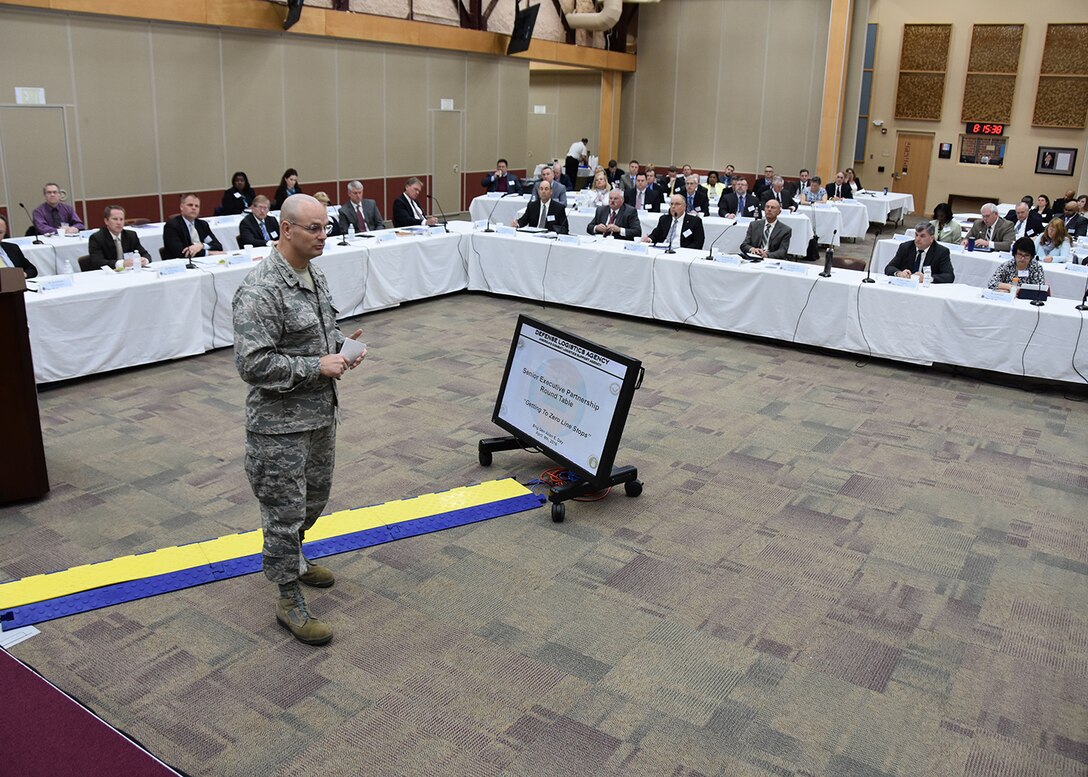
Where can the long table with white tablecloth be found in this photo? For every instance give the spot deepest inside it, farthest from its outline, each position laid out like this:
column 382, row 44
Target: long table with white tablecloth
column 880, row 205
column 975, row 268
column 949, row 323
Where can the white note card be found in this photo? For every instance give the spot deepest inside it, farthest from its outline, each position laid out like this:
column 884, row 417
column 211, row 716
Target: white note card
column 446, row 103
column 352, row 349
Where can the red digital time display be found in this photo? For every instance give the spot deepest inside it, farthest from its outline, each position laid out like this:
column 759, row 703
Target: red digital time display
column 979, row 128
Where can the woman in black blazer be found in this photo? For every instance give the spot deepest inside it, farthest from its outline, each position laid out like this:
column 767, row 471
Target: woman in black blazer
column 238, row 197
column 288, row 186
column 14, row 253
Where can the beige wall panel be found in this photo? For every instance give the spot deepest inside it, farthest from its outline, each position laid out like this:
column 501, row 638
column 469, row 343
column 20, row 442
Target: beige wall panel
column 445, row 79
column 656, row 84
column 406, row 126
column 482, row 114
column 24, row 37
column 361, row 86
column 310, row 128
column 116, row 113
column 696, row 87
column 579, row 110
column 747, row 27
column 513, row 119
column 189, row 108
column 543, row 90
column 253, row 96
column 948, row 176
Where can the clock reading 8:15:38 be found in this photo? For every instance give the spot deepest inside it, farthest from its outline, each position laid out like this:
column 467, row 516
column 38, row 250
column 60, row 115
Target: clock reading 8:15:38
column 980, row 128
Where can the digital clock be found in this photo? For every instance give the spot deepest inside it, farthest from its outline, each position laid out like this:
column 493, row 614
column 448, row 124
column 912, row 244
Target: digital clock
column 979, row 128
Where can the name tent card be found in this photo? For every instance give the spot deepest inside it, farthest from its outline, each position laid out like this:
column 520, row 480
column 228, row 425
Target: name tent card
column 504, row 230
column 905, row 283
column 385, row 237
column 171, row 269
column 568, row 239
column 996, row 296
column 637, row 248
column 436, row 231
column 55, row 282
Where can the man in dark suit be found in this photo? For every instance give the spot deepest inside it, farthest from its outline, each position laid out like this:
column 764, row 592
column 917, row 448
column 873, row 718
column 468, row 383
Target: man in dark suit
column 768, row 238
column 840, row 189
column 544, row 212
column 360, row 213
column 800, row 184
column 113, row 243
column 739, row 202
column 615, row 219
column 258, row 228
column 501, row 180
column 1058, row 208
column 695, row 196
column 764, row 183
column 643, row 196
column 186, row 235
column 406, row 210
column 924, row 250
column 673, row 184
column 1075, row 224
column 777, row 192
column 11, row 255
column 678, row 227
column 1026, row 221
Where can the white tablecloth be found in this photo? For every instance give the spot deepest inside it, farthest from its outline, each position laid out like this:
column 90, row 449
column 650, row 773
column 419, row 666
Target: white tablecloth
column 945, row 323
column 880, row 205
column 855, row 218
column 501, row 210
column 975, row 268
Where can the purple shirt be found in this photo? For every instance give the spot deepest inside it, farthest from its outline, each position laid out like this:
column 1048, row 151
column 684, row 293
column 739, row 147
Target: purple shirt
column 43, row 217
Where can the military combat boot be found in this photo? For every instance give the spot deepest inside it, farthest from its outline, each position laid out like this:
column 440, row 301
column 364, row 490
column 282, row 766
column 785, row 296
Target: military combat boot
column 317, row 576
column 293, row 615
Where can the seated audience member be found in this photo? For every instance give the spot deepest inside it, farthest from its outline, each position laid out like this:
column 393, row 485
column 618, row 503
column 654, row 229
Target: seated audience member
column 814, row 192
column 627, row 183
column 679, row 228
column 502, row 180
column 947, row 229
column 52, row 215
column 1027, row 200
column 615, row 177
column 544, row 212
column 559, row 191
column 113, row 242
column 840, row 190
column 1082, row 204
column 643, row 196
column 596, row 195
column 238, row 197
column 186, row 235
column 561, row 177
column 406, row 210
column 1059, row 204
column 778, row 193
column 258, row 228
column 359, row 213
column 764, row 183
column 1026, row 222
column 334, row 222
column 1022, row 268
column 923, row 251
column 695, row 196
column 615, row 219
column 714, row 187
column 739, row 202
column 652, row 180
column 799, row 186
column 727, row 177
column 853, row 180
column 288, row 186
column 768, row 237
column 1075, row 224
column 991, row 231
column 11, row 255
column 673, row 183
column 1042, row 207
column 1054, row 244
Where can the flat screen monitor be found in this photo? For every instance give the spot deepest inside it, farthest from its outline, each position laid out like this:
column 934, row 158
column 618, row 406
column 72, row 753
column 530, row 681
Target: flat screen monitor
column 566, row 396
column 522, row 35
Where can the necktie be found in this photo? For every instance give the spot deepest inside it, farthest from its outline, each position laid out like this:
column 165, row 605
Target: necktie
column 918, row 262
column 691, row 203
column 990, row 234
column 54, row 217
column 672, row 233
column 4, row 258
column 778, row 196
column 264, row 231
column 638, row 201
column 767, row 235
column 117, row 248
column 193, row 236
column 612, row 218
column 361, row 218
column 542, row 222
column 415, row 209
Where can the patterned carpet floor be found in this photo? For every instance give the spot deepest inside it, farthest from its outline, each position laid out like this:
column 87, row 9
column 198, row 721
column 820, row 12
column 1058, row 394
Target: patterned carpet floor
column 835, row 569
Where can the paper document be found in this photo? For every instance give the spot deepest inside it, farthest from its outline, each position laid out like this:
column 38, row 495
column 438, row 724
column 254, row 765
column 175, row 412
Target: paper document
column 352, row 349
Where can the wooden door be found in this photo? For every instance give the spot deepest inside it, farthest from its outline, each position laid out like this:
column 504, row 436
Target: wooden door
column 913, row 152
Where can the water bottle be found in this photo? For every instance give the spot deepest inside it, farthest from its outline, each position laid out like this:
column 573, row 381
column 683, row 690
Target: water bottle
column 66, row 267
column 927, row 275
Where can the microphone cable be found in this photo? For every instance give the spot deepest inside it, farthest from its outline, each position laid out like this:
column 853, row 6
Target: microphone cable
column 803, row 307
column 694, row 296
column 857, row 306
column 1076, row 345
column 544, row 275
column 215, row 301
column 480, row 261
column 1023, row 356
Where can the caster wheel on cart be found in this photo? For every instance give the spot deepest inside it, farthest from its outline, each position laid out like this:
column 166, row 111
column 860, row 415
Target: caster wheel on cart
column 559, row 512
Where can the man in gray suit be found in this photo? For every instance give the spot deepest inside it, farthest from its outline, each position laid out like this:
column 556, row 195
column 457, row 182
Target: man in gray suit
column 628, row 182
column 361, row 214
column 616, row 219
column 991, row 231
column 767, row 238
column 559, row 191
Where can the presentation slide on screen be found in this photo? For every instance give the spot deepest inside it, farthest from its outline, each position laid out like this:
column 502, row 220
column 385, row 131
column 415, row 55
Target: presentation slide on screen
column 562, row 395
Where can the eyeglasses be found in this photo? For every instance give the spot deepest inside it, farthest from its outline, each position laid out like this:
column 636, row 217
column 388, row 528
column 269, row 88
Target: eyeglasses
column 313, row 229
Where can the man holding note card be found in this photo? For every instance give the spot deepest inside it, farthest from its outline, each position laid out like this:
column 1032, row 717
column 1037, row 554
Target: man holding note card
column 289, row 350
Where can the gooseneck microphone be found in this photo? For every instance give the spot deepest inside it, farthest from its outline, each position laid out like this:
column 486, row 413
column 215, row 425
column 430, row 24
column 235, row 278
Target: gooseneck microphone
column 829, row 256
column 1084, row 300
column 343, row 231
column 37, row 238
column 869, row 265
column 710, row 256
column 442, row 213
column 492, row 213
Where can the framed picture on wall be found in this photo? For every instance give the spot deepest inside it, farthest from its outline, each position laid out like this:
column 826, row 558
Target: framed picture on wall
column 1055, row 161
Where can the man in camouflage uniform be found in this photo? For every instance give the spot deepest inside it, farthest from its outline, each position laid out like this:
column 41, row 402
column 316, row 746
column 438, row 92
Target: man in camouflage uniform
column 286, row 347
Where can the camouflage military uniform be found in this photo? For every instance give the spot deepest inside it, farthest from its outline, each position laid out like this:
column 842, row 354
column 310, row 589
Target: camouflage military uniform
column 281, row 331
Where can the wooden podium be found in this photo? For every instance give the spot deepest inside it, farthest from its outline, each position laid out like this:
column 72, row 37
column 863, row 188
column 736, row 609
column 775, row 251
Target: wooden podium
column 23, row 474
